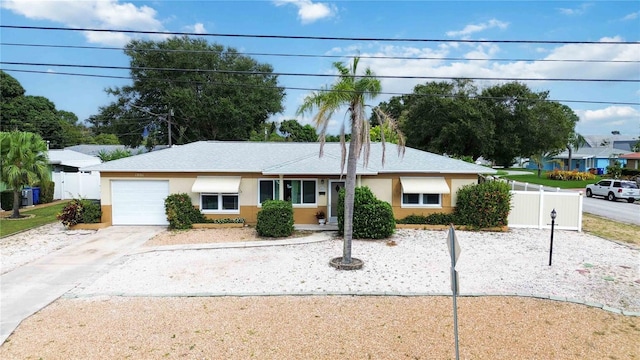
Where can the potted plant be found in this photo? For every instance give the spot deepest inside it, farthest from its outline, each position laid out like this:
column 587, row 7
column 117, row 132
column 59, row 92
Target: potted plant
column 321, row 217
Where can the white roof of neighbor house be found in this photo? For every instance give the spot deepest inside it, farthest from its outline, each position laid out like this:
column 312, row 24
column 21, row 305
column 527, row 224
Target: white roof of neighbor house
column 290, row 158
column 592, row 152
column 71, row 158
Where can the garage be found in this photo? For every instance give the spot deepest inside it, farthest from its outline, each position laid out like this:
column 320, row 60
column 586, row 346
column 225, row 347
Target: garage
column 138, row 202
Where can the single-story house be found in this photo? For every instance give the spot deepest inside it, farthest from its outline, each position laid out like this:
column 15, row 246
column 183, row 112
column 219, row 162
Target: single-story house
column 584, row 158
column 95, row 150
column 632, row 159
column 69, row 160
column 232, row 179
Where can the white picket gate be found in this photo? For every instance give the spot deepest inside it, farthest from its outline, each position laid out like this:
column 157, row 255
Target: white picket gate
column 74, row 185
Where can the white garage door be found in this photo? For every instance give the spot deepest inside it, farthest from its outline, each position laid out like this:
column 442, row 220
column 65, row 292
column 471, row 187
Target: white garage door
column 138, row 202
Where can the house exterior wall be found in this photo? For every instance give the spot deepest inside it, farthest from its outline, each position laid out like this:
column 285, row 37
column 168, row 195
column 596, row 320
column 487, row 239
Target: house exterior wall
column 387, row 187
column 633, row 164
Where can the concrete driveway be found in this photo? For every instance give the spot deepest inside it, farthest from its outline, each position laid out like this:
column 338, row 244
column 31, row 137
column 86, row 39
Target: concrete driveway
column 29, row 288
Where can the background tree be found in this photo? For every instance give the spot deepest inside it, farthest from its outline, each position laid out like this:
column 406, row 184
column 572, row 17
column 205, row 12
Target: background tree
column 576, row 141
column 525, row 122
column 36, row 114
column 23, row 162
column 446, row 117
column 116, row 154
column 293, row 131
column 268, row 132
column 351, row 91
column 200, row 91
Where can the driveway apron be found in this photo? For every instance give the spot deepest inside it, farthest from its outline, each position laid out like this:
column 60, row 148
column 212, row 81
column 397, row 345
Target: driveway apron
column 29, row 288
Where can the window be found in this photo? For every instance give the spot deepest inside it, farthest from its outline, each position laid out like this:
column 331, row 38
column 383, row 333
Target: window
column 299, row 192
column 269, row 190
column 421, row 199
column 224, row 203
column 423, row 191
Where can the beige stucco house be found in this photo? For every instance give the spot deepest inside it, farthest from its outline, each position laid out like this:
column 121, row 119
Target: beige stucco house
column 232, row 179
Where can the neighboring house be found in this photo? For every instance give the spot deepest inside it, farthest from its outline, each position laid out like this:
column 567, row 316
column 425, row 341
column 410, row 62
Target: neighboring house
column 632, row 159
column 70, row 161
column 584, row 158
column 69, row 181
column 232, row 179
column 622, row 142
column 94, row 150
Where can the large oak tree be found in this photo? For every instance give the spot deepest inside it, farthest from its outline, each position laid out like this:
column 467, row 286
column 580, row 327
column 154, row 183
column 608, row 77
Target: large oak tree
column 186, row 89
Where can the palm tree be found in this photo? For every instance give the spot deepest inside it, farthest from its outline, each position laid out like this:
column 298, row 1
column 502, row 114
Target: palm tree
column 23, row 161
column 576, row 141
column 351, row 91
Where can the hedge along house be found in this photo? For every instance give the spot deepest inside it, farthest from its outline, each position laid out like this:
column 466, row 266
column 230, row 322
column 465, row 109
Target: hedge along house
column 232, row 179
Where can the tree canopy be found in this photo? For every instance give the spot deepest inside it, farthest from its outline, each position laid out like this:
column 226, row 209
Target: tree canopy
column 37, row 114
column 185, row 89
column 292, row 130
column 501, row 122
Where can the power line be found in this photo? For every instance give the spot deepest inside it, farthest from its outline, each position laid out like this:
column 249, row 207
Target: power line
column 266, row 73
column 323, row 56
column 311, row 89
column 300, row 37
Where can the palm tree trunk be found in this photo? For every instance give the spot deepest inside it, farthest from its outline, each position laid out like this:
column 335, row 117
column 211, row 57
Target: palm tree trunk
column 350, row 185
column 16, row 204
column 349, row 196
column 570, row 156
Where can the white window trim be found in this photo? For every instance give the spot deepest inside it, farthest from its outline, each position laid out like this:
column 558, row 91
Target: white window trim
column 302, row 204
column 220, row 210
column 421, row 205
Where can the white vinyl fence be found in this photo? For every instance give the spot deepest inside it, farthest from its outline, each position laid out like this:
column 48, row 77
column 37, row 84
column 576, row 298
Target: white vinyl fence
column 532, row 209
column 74, row 185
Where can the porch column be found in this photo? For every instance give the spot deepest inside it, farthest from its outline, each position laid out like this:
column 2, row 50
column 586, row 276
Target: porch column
column 281, row 185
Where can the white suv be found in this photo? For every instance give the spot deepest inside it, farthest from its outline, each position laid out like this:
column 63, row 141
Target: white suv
column 613, row 190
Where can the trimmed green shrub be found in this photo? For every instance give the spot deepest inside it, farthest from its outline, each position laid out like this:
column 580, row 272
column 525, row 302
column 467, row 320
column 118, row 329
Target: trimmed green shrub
column 483, row 205
column 181, row 214
column 6, row 200
column 431, row 219
column 80, row 211
column 91, row 212
column 275, row 219
column 46, row 191
column 372, row 218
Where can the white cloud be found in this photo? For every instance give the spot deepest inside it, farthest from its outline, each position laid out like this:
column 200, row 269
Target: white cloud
column 610, row 114
column 99, row 14
column 308, row 11
column 631, row 16
column 197, row 28
column 474, row 28
column 575, row 11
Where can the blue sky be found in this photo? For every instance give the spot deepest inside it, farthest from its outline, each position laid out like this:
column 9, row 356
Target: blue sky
column 598, row 21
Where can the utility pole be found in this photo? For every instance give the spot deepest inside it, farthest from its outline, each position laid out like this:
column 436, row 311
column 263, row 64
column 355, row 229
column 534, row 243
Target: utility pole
column 169, row 115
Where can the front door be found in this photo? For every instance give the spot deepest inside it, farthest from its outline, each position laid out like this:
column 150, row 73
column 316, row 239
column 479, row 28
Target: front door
column 334, row 189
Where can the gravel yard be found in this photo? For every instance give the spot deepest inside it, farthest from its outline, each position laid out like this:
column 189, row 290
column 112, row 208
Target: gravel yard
column 194, row 303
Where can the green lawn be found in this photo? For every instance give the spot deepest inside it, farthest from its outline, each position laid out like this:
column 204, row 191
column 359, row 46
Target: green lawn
column 43, row 216
column 542, row 180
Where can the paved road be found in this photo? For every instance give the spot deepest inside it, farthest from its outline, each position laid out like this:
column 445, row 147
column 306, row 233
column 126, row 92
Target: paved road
column 31, row 287
column 619, row 211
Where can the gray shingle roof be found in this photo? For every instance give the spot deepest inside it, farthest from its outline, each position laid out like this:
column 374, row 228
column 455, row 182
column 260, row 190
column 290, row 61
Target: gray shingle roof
column 592, row 152
column 282, row 158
